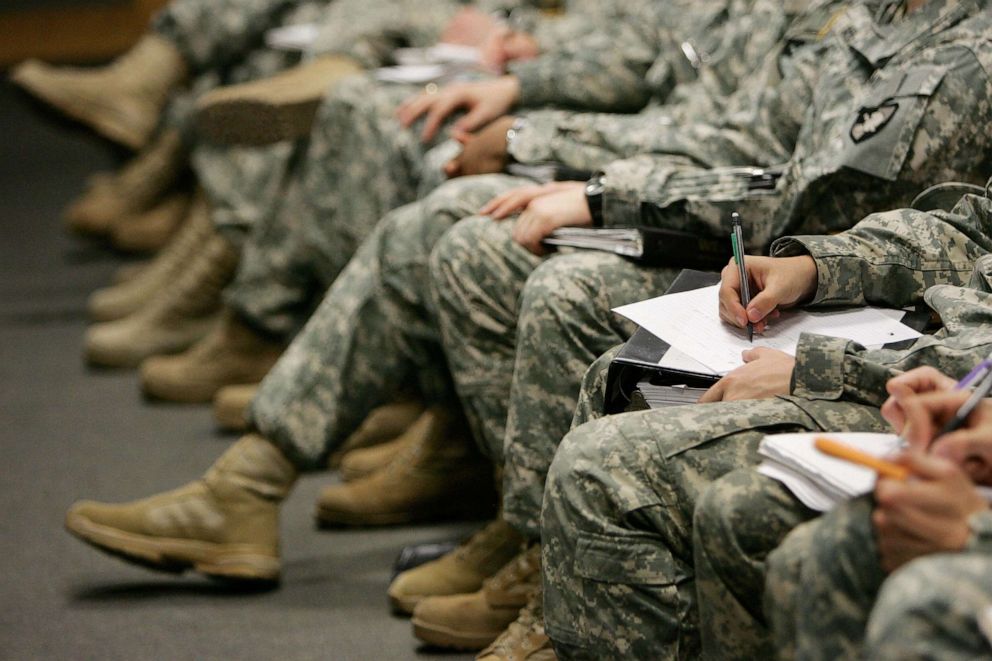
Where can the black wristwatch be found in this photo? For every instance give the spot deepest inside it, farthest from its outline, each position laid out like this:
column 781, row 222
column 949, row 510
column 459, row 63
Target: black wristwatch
column 594, row 198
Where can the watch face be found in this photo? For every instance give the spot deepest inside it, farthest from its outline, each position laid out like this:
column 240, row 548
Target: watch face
column 595, row 188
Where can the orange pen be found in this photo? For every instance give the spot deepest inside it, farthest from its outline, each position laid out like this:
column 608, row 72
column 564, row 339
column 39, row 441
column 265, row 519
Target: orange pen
column 847, row 453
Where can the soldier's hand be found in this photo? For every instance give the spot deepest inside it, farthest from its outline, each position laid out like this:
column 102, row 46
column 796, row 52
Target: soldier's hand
column 776, row 283
column 505, row 45
column 918, row 381
column 970, row 447
column 482, row 102
column 765, row 373
column 926, row 514
column 508, row 203
column 566, row 207
column 471, row 27
column 483, row 152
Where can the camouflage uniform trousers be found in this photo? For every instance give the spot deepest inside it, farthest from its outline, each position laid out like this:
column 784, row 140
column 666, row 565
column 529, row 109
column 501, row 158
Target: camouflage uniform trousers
column 519, row 332
column 739, row 520
column 357, row 165
column 827, row 596
column 374, row 332
column 617, row 521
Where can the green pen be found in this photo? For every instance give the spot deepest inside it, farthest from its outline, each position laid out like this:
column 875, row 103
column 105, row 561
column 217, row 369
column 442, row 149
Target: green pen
column 737, row 245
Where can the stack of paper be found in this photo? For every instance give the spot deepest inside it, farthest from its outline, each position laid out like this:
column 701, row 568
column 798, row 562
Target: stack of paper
column 292, row 37
column 626, row 242
column 820, row 481
column 690, row 322
column 657, row 397
column 442, row 62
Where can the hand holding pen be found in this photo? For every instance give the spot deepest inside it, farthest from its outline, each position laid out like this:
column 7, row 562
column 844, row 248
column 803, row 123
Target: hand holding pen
column 905, row 389
column 775, row 283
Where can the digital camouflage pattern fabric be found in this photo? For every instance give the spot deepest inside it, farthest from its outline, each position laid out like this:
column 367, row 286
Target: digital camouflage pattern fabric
column 372, row 334
column 534, row 421
column 743, row 515
column 828, row 597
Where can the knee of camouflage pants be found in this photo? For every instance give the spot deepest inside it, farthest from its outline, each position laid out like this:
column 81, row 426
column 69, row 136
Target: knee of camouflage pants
column 611, row 584
column 477, row 275
column 565, row 323
column 592, row 393
column 782, row 586
column 738, row 520
column 840, row 577
column 929, row 609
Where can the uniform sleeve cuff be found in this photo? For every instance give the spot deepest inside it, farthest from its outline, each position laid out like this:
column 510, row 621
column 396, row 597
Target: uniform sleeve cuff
column 819, row 370
column 839, row 275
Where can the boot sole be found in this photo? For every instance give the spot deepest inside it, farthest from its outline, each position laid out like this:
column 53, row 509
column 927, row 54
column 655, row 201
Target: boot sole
column 182, row 393
column 255, row 122
column 405, row 605
column 175, row 556
column 330, row 518
column 452, row 638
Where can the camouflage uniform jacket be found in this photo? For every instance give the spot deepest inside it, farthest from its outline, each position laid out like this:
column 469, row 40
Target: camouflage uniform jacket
column 871, row 116
column 626, row 55
column 895, row 258
column 744, row 42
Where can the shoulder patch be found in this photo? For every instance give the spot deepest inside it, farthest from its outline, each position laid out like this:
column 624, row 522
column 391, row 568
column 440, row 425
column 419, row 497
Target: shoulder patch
column 872, row 120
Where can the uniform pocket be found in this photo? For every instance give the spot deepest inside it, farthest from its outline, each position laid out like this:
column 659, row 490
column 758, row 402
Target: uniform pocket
column 626, row 560
column 883, row 127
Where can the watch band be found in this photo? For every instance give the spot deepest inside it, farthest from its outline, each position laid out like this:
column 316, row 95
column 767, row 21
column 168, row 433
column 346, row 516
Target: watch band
column 594, row 198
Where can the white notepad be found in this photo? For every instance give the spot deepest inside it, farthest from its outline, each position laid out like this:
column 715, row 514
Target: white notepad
column 820, row 481
column 690, row 322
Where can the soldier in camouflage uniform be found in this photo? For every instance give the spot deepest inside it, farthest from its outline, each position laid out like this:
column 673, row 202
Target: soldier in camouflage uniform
column 843, row 586
column 374, row 327
column 248, row 187
column 356, row 144
column 527, row 347
column 842, row 378
column 618, row 516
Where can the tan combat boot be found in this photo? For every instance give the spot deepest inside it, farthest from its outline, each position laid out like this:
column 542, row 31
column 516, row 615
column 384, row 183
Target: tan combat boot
column 524, row 639
column 382, row 425
column 224, row 525
column 230, row 354
column 472, row 621
column 460, row 572
column 440, row 476
column 112, row 197
column 231, row 406
column 127, row 297
column 149, row 231
column 121, row 101
column 174, row 319
column 278, row 108
column 363, row 462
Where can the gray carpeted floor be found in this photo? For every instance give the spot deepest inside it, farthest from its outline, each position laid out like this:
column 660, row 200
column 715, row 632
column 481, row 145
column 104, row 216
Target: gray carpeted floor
column 69, row 432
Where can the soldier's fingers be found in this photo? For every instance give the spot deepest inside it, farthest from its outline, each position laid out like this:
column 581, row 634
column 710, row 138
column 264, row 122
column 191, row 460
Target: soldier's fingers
column 411, row 109
column 436, row 115
column 731, row 310
column 475, row 119
column 453, row 168
column 970, row 449
column 715, row 392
